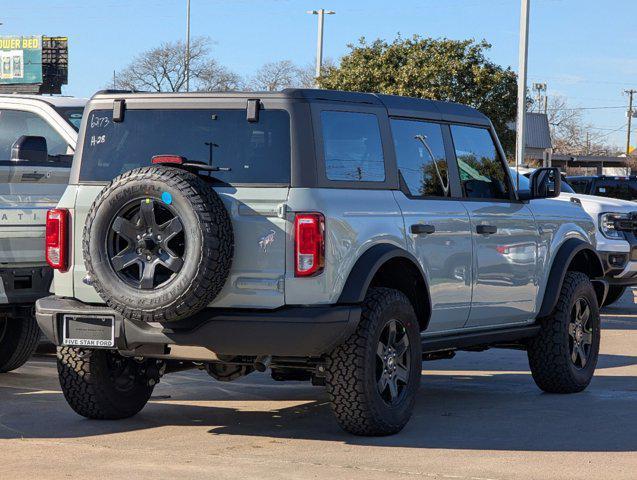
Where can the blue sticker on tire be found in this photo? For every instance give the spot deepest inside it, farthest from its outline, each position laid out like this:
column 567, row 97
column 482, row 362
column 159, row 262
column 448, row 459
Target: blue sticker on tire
column 167, row 198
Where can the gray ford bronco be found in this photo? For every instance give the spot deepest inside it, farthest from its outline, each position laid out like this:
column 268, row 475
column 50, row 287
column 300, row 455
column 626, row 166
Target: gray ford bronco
column 37, row 141
column 339, row 238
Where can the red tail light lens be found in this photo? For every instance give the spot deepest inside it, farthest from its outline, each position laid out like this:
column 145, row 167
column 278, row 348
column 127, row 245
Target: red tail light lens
column 56, row 238
column 309, row 244
column 167, row 159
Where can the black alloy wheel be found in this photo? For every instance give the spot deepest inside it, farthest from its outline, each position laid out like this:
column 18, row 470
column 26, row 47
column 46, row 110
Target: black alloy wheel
column 393, row 362
column 580, row 333
column 146, row 244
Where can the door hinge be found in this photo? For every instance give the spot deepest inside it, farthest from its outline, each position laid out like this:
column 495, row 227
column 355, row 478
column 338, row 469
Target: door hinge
column 282, row 210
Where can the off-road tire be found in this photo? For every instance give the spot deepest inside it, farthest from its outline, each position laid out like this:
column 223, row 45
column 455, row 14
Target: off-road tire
column 90, row 390
column 549, row 352
column 205, row 267
column 350, row 369
column 19, row 338
column 614, row 294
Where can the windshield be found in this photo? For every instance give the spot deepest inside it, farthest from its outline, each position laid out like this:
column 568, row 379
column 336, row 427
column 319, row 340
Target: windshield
column 73, row 115
column 254, row 152
column 525, row 183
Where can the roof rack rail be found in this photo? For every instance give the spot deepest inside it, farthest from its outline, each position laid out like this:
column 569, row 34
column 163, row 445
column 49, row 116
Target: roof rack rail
column 112, row 91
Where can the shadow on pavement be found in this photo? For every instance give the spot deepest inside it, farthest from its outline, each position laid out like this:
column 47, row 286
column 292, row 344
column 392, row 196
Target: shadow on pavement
column 494, row 411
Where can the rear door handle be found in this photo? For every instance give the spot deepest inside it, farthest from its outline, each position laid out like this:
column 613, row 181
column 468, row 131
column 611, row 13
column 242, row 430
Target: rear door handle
column 422, row 229
column 486, row 229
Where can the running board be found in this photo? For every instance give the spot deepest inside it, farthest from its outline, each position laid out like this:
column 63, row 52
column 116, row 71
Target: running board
column 487, row 338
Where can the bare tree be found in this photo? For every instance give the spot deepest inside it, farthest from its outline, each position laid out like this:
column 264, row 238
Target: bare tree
column 274, row 76
column 307, row 75
column 571, row 135
column 163, row 69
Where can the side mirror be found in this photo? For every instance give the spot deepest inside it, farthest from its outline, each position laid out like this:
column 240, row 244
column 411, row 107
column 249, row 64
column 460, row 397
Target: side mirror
column 545, row 183
column 29, row 148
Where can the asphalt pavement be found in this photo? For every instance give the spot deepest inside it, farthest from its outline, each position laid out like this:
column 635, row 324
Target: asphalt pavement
column 478, row 416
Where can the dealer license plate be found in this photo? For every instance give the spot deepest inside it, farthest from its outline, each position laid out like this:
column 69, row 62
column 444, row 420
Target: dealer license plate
column 87, row 331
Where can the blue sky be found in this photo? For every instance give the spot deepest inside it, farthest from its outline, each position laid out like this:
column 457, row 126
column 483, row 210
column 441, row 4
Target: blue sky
column 585, row 50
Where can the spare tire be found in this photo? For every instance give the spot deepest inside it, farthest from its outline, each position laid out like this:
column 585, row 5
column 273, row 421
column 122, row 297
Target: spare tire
column 158, row 244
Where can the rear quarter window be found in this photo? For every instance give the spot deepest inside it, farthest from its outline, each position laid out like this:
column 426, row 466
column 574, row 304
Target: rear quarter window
column 255, row 152
column 352, row 147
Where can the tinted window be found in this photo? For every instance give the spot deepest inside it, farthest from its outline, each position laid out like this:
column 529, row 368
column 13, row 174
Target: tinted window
column 352, row 147
column 482, row 173
column 256, row 152
column 15, row 123
column 614, row 188
column 73, row 115
column 420, row 154
column 580, row 186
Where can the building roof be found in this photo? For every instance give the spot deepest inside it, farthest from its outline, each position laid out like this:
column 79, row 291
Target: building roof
column 538, row 133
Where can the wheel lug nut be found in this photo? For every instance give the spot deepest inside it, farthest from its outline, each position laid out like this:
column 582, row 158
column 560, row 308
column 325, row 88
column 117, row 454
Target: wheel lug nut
column 139, row 251
column 139, row 237
column 148, row 257
column 158, row 237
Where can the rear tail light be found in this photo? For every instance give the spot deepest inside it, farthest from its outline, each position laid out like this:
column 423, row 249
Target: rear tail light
column 167, row 159
column 56, row 238
column 309, row 244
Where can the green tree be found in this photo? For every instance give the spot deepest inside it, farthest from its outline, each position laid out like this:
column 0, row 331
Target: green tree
column 437, row 69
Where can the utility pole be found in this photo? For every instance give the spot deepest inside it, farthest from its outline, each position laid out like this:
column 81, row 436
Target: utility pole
column 522, row 64
column 319, row 41
column 630, row 93
column 187, row 62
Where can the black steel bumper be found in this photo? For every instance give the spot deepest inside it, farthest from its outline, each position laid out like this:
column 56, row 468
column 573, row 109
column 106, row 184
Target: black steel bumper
column 295, row 331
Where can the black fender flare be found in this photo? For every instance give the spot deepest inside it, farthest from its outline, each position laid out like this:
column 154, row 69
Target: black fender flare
column 366, row 268
column 563, row 259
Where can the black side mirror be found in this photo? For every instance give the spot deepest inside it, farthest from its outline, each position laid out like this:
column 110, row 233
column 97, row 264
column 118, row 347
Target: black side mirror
column 546, row 183
column 30, row 149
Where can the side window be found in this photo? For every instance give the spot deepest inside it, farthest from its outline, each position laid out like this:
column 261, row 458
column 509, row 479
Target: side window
column 352, row 147
column 15, row 123
column 420, row 154
column 482, row 173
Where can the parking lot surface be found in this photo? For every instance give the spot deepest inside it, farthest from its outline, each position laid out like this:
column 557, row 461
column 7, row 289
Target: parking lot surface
column 478, row 416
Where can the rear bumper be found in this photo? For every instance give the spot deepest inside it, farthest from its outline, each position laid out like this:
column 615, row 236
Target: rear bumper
column 24, row 285
column 294, row 331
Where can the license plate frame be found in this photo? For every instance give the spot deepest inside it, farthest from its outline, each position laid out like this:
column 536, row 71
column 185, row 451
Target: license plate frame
column 93, row 331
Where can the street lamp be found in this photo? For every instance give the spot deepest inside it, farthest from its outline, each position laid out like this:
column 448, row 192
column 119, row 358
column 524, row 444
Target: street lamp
column 187, row 46
column 522, row 62
column 319, row 41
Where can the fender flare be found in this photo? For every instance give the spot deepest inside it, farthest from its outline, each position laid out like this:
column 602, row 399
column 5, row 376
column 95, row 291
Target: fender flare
column 563, row 258
column 362, row 274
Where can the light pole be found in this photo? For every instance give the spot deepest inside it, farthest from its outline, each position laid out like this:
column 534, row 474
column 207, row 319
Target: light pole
column 319, row 40
column 187, row 62
column 522, row 62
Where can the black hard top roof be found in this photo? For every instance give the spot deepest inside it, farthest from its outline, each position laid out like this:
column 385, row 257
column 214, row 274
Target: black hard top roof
column 395, row 105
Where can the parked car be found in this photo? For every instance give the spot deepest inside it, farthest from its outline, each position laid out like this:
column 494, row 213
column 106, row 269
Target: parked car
column 616, row 222
column 331, row 236
column 620, row 187
column 37, row 141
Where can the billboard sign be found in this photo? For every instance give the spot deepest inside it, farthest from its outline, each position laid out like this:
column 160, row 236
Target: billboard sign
column 21, row 59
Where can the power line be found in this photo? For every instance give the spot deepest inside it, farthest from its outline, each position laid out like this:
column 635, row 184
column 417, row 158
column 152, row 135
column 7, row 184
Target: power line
column 585, row 108
column 630, row 93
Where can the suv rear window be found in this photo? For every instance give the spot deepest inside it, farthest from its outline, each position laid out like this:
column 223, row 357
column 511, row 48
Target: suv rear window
column 256, row 153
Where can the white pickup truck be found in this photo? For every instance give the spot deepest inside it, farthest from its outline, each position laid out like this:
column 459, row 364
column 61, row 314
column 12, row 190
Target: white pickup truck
column 38, row 135
column 616, row 234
